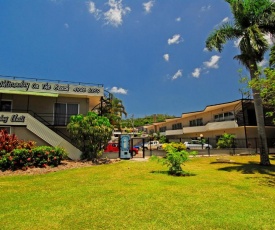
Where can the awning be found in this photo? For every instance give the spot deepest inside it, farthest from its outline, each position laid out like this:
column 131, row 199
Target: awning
column 29, row 93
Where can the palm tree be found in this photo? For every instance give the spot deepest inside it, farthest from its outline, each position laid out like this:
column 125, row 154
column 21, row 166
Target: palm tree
column 113, row 108
column 253, row 21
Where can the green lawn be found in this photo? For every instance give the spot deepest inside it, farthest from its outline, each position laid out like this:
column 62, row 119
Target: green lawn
column 140, row 195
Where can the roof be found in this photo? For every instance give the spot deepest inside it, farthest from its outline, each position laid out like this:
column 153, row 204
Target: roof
column 214, row 107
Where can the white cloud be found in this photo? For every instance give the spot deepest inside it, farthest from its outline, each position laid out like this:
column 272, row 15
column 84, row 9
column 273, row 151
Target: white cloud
column 225, row 20
column 263, row 63
column 237, row 42
column 196, row 72
column 213, row 63
column 93, row 10
column 178, row 19
column 176, row 39
column 205, row 8
column 269, row 39
column 118, row 90
column 114, row 15
column 57, row 1
column 177, row 74
column 148, row 5
column 166, row 57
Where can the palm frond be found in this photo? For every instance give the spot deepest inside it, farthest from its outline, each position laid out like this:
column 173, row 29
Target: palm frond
column 243, row 59
column 272, row 57
column 257, row 40
column 220, row 36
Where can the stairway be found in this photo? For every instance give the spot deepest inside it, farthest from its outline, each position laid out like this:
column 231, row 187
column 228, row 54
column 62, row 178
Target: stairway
column 51, row 137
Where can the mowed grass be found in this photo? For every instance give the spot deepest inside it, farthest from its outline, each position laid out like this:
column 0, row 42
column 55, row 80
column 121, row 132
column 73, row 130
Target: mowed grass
column 140, row 195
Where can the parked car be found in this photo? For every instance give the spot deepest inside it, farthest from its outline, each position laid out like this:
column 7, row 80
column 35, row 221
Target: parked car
column 153, row 145
column 114, row 147
column 138, row 146
column 197, row 144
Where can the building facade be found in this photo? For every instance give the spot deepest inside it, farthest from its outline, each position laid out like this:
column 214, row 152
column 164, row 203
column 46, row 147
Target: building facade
column 40, row 110
column 235, row 117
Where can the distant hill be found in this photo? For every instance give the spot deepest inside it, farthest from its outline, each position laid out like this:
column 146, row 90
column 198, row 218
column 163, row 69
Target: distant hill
column 147, row 120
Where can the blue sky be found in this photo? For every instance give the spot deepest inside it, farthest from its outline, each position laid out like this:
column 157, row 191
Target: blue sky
column 150, row 54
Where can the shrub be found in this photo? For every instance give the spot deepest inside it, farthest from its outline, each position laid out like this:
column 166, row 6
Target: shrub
column 8, row 142
column 176, row 155
column 177, row 145
column 26, row 145
column 41, row 156
column 4, row 163
column 226, row 141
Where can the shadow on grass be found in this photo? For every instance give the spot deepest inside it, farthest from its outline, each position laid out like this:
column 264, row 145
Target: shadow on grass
column 249, row 168
column 167, row 173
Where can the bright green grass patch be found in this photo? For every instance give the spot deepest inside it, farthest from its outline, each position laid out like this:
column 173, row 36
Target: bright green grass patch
column 140, row 195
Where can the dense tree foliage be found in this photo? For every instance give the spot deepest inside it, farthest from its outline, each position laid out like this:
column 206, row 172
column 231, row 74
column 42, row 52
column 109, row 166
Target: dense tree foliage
column 147, row 120
column 253, row 20
column 90, row 133
column 266, row 85
column 113, row 109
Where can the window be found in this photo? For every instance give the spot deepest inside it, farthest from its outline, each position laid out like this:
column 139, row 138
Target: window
column 162, row 129
column 227, row 116
column 63, row 112
column 196, row 122
column 177, row 126
column 6, row 106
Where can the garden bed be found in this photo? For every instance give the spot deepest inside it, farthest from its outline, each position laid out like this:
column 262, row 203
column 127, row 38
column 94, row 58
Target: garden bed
column 65, row 164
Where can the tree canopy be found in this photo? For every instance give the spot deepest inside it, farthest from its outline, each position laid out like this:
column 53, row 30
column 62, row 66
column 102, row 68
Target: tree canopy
column 90, row 133
column 147, row 120
column 113, row 109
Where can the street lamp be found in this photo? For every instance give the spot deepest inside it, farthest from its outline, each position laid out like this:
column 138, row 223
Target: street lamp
column 201, row 136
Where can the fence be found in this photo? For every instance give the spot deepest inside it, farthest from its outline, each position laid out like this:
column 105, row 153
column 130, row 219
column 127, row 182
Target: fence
column 238, row 146
column 248, row 146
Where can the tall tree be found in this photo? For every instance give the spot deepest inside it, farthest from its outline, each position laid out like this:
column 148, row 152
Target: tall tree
column 113, row 109
column 253, row 20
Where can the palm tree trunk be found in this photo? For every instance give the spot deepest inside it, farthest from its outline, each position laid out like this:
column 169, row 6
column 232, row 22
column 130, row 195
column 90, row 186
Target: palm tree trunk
column 264, row 158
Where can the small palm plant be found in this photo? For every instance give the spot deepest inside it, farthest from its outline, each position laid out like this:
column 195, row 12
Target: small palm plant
column 176, row 155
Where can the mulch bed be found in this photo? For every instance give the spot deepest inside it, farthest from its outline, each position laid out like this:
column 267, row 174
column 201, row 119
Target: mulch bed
column 65, row 164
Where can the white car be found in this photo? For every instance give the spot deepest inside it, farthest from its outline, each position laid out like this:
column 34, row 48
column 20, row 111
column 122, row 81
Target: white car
column 152, row 145
column 196, row 144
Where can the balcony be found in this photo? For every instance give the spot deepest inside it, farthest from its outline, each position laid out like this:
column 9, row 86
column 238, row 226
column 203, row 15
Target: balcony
column 195, row 129
column 174, row 132
column 221, row 125
column 210, row 126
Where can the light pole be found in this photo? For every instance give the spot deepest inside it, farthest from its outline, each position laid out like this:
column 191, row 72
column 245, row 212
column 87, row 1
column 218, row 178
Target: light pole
column 201, row 136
